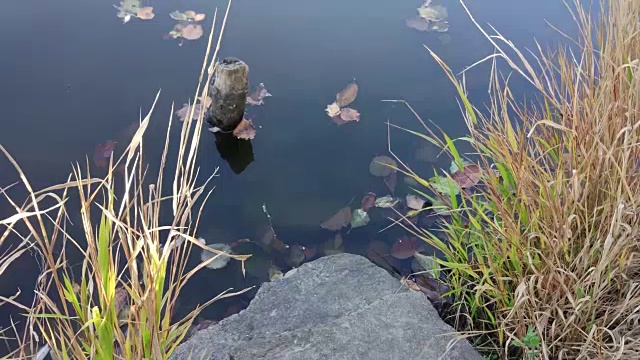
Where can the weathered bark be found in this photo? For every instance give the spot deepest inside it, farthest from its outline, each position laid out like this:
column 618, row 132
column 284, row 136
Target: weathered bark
column 229, row 94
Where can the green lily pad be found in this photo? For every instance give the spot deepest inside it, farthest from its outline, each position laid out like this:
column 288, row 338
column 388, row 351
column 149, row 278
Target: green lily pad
column 359, row 218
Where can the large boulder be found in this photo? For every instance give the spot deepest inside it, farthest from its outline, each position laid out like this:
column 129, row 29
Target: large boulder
column 337, row 307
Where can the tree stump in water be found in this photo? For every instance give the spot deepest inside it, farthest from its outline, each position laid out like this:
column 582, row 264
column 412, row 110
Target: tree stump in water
column 229, row 94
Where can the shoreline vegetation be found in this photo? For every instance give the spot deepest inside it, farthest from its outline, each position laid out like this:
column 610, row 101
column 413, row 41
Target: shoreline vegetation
column 119, row 302
column 542, row 258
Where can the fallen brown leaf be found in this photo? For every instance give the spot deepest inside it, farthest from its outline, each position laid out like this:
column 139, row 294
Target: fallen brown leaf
column 245, row 130
column 341, row 219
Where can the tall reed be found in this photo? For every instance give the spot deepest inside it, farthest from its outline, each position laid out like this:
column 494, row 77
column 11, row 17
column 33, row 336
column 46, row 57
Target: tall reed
column 543, row 256
column 119, row 303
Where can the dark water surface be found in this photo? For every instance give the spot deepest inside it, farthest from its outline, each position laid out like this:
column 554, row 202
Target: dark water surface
column 73, row 76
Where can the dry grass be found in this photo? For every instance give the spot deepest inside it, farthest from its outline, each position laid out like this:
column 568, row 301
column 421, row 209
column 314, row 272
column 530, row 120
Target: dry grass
column 119, row 301
column 544, row 257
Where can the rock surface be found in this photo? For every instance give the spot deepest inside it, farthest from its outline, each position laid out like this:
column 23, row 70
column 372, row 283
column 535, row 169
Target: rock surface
column 337, row 307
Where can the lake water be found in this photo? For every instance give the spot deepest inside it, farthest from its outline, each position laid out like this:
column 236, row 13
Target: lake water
column 74, row 76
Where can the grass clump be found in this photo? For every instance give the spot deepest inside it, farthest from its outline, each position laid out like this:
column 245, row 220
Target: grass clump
column 118, row 303
column 543, row 256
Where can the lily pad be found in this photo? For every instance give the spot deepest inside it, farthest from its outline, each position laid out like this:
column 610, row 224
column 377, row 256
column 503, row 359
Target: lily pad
column 359, row 218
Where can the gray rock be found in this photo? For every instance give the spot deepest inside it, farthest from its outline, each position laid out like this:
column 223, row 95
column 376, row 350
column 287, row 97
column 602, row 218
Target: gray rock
column 337, row 307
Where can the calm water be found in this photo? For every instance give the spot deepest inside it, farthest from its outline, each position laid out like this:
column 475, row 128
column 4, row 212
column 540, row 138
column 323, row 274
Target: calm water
column 73, row 76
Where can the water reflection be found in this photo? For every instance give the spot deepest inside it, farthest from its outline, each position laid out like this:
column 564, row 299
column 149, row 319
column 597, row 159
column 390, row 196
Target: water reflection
column 236, row 152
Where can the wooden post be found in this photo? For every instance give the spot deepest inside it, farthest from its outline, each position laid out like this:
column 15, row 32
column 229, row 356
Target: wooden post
column 229, row 94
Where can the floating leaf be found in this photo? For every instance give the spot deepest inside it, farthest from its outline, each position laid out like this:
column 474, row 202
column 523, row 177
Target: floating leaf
column 256, row 97
column 145, row 13
column 359, row 218
column 245, row 130
column 382, row 166
column 368, row 201
column 177, row 15
column 198, row 109
column 275, row 273
column 468, row 177
column 221, row 261
column 444, row 185
column 415, row 202
column 426, row 263
column 406, row 247
column 199, row 17
column 432, row 13
column 348, row 114
column 418, row 23
column 341, row 219
column 386, row 202
column 410, row 284
column 192, row 32
column 190, row 14
column 348, row 95
column 296, row 255
column 333, row 110
column 454, row 166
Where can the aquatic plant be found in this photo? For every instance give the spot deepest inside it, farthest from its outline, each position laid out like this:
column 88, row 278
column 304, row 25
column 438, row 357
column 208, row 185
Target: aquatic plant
column 119, row 301
column 542, row 256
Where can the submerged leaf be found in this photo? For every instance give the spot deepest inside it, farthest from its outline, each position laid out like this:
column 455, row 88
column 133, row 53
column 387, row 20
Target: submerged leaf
column 245, row 130
column 359, row 218
column 382, row 166
column 406, row 247
column 102, row 153
column 368, row 201
column 391, row 181
column 341, row 219
column 348, row 95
